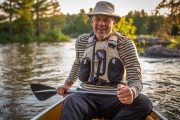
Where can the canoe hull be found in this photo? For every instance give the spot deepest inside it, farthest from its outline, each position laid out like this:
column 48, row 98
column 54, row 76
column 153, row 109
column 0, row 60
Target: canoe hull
column 54, row 113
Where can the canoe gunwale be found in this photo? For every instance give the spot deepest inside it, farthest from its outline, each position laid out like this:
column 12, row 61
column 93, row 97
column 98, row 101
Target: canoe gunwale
column 47, row 110
column 161, row 117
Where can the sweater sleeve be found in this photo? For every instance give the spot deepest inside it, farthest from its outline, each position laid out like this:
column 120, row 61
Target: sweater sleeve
column 80, row 47
column 129, row 56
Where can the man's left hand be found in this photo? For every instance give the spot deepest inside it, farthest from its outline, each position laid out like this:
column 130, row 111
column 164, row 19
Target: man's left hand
column 125, row 94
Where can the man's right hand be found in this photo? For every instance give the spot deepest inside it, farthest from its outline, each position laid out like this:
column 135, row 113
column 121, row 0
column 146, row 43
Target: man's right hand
column 61, row 90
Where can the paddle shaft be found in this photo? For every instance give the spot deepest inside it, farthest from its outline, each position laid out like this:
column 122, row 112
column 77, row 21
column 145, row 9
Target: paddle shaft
column 43, row 92
column 74, row 91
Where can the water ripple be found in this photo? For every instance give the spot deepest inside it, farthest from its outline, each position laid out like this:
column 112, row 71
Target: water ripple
column 50, row 64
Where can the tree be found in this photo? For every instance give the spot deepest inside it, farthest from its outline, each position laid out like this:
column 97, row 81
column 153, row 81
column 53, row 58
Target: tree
column 77, row 24
column 174, row 8
column 43, row 9
column 8, row 8
column 70, row 26
column 82, row 22
column 174, row 13
column 172, row 20
column 24, row 22
column 56, row 18
column 40, row 7
column 153, row 24
column 139, row 21
column 126, row 26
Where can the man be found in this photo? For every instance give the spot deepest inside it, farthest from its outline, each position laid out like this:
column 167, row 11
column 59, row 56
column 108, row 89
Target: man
column 106, row 61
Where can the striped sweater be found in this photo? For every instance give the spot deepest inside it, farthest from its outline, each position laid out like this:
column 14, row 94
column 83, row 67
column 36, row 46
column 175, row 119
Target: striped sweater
column 128, row 54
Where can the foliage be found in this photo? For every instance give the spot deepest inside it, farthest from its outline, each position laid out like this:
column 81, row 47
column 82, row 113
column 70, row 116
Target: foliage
column 176, row 44
column 140, row 50
column 42, row 20
column 7, row 7
column 153, row 24
column 5, row 38
column 139, row 21
column 44, row 9
column 83, row 22
column 174, row 9
column 126, row 27
column 3, row 17
column 20, row 14
column 173, row 17
column 77, row 24
column 54, row 35
column 70, row 26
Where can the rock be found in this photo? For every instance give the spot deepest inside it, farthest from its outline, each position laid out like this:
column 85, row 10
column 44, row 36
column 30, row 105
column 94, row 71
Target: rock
column 157, row 51
column 151, row 40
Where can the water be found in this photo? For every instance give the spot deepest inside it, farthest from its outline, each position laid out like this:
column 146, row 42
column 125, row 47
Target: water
column 50, row 63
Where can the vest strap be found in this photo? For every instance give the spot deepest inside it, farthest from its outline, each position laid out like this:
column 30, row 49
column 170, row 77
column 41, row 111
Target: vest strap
column 93, row 78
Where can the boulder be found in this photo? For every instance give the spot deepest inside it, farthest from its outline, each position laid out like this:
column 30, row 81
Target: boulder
column 151, row 40
column 157, row 51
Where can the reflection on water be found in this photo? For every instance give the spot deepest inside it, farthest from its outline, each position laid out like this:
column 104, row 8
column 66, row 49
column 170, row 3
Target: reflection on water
column 50, row 63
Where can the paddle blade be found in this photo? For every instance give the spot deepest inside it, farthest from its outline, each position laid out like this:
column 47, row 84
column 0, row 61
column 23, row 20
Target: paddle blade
column 42, row 92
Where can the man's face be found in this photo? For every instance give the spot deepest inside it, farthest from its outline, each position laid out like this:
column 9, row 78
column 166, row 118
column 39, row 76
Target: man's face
column 102, row 26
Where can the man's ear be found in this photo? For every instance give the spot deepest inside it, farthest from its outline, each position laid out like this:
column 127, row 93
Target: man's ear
column 114, row 22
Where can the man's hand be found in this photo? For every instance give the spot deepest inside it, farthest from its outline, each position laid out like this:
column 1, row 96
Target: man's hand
column 125, row 94
column 61, row 90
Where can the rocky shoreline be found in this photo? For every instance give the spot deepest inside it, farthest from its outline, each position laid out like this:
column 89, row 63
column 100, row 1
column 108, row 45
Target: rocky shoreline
column 157, row 51
column 158, row 47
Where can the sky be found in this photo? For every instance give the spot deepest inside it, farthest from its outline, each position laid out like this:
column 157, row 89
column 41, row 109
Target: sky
column 122, row 7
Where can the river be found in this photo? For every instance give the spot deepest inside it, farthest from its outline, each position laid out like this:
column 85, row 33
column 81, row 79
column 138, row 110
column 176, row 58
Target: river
column 50, row 63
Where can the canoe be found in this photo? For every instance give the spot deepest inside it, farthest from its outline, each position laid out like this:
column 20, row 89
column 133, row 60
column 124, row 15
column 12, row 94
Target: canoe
column 54, row 112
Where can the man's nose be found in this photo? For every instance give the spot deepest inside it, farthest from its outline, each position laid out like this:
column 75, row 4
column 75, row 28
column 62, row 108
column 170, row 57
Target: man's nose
column 101, row 22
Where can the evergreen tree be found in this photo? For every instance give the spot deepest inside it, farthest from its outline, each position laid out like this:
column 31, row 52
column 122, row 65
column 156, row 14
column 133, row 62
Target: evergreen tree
column 7, row 7
column 173, row 17
column 153, row 24
column 43, row 9
column 140, row 18
column 24, row 22
column 174, row 9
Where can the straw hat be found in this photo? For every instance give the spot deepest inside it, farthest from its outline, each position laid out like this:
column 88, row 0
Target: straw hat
column 104, row 8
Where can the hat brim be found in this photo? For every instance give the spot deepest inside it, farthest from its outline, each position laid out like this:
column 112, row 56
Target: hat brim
column 117, row 17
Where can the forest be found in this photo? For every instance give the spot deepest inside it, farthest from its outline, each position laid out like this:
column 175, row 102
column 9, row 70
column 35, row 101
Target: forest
column 24, row 21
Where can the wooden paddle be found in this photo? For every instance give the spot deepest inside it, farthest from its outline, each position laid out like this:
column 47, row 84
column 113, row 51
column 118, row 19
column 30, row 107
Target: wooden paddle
column 43, row 92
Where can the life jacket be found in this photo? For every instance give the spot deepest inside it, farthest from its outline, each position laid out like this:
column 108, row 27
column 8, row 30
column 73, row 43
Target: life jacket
column 101, row 62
